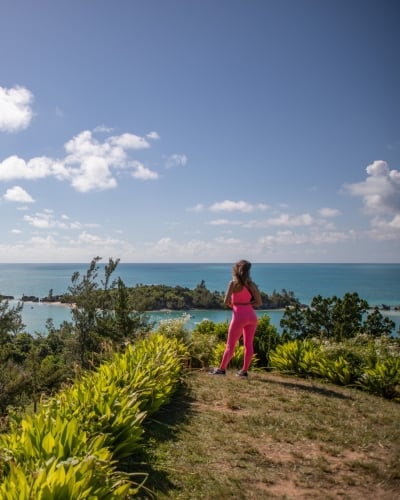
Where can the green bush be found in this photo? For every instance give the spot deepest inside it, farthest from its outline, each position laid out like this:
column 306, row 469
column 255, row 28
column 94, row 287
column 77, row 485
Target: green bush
column 201, row 349
column 175, row 328
column 237, row 358
column 266, row 340
column 70, row 447
column 338, row 370
column 296, row 357
column 383, row 379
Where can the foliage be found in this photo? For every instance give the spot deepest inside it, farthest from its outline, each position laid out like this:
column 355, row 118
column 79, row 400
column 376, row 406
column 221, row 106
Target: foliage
column 71, row 446
column 376, row 325
column 295, row 357
column 156, row 297
column 175, row 328
column 237, row 358
column 365, row 362
column 10, row 320
column 334, row 318
column 337, row 370
column 220, row 330
column 201, row 349
column 383, row 379
column 266, row 339
column 102, row 315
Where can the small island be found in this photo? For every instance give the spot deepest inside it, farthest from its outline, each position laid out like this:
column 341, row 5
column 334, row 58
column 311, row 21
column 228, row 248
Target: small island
column 177, row 298
column 160, row 297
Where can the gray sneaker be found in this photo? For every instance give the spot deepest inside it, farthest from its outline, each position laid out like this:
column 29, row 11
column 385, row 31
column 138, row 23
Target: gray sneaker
column 242, row 373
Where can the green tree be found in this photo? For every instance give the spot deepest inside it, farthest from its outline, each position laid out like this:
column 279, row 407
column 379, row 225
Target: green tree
column 348, row 316
column 376, row 325
column 10, row 320
column 334, row 318
column 85, row 312
column 319, row 317
column 293, row 322
column 102, row 316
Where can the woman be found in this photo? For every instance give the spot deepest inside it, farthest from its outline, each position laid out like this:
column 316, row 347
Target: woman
column 241, row 295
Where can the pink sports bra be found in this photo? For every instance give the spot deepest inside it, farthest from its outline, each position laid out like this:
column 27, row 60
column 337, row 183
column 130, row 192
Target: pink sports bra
column 243, row 296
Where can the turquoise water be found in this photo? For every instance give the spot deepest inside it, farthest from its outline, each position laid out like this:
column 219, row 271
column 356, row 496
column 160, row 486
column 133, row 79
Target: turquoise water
column 377, row 283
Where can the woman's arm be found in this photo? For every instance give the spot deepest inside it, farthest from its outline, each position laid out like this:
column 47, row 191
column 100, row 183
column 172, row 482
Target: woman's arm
column 257, row 301
column 228, row 294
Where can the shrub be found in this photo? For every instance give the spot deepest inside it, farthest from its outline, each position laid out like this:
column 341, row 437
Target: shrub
column 338, row 371
column 296, row 357
column 175, row 328
column 266, row 340
column 237, row 358
column 201, row 349
column 383, row 379
column 70, row 447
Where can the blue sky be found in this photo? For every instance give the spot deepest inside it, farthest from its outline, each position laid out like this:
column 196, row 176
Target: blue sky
column 200, row 131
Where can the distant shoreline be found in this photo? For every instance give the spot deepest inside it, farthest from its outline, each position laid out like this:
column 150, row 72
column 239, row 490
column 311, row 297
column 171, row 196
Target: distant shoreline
column 393, row 309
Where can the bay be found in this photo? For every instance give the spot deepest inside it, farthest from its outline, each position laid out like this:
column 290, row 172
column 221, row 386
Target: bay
column 377, row 283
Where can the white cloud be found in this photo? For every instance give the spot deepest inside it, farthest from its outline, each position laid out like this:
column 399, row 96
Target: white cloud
column 197, row 208
column 89, row 164
column 176, row 160
column 380, row 193
column 227, row 241
column 385, row 230
column 14, row 167
column 153, row 136
column 40, row 221
column 103, row 128
column 143, row 173
column 165, row 247
column 18, row 194
column 220, row 222
column 239, row 206
column 328, row 212
column 227, row 222
column 289, row 238
column 15, row 108
column 291, row 220
column 47, row 220
column 93, row 174
column 129, row 141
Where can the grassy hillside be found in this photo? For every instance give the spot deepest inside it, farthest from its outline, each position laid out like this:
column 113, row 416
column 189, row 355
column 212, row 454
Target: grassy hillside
column 273, row 437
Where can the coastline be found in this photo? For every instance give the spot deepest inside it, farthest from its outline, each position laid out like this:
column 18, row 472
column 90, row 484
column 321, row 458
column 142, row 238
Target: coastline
column 378, row 284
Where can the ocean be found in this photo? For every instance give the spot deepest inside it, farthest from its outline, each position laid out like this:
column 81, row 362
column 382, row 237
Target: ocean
column 377, row 283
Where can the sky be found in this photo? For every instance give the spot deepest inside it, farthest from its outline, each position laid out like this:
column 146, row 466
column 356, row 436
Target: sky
column 200, row 131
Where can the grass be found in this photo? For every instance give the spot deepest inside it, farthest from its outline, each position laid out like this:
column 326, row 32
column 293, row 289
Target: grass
column 272, row 437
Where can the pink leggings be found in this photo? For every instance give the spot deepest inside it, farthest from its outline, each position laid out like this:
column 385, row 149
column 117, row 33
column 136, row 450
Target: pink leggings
column 244, row 322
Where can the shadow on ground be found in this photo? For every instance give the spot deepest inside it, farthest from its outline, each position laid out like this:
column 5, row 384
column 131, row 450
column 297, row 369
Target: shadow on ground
column 159, row 428
column 330, row 393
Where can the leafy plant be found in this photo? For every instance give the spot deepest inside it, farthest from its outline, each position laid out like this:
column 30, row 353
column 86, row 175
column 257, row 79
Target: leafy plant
column 265, row 340
column 337, row 370
column 297, row 356
column 237, row 358
column 70, row 448
column 334, row 318
column 201, row 349
column 383, row 379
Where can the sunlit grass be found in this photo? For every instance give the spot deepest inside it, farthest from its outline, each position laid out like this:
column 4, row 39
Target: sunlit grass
column 274, row 437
